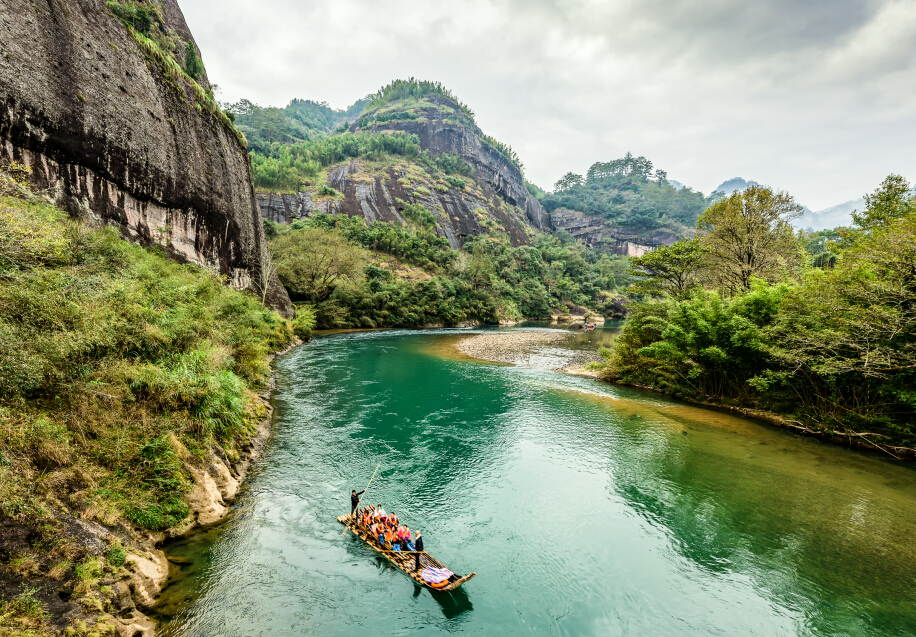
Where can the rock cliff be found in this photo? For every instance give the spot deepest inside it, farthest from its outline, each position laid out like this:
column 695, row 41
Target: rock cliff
column 494, row 198
column 116, row 134
column 438, row 134
column 597, row 232
column 459, row 212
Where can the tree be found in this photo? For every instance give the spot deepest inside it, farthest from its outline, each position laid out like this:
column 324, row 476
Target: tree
column 313, row 262
column 893, row 199
column 668, row 270
column 567, row 181
column 192, row 64
column 749, row 234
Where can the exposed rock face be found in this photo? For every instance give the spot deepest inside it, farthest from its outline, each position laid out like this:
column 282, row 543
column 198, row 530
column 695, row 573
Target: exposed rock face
column 493, row 168
column 459, row 212
column 174, row 19
column 116, row 141
column 596, row 232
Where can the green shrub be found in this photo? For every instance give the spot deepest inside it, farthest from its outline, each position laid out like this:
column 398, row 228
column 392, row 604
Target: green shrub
column 192, row 64
column 327, row 191
column 116, row 555
column 455, row 182
column 106, row 348
column 304, row 322
column 90, row 570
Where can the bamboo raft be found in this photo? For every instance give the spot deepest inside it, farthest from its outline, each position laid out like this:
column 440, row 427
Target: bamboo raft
column 404, row 560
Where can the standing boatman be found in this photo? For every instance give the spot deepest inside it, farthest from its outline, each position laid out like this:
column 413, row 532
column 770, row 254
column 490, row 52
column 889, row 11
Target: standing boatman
column 354, row 500
column 418, row 544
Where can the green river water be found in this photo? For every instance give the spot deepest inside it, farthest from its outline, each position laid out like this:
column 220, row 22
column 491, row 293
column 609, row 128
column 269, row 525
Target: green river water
column 584, row 508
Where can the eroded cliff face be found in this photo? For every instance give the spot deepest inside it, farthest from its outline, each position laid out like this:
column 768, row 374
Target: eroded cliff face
column 596, row 232
column 492, row 168
column 115, row 138
column 459, row 213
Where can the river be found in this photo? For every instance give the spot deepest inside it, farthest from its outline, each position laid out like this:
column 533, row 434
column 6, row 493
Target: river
column 584, row 508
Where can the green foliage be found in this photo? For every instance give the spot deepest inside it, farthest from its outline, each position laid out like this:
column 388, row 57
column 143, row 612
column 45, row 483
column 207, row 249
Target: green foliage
column 90, row 570
column 668, row 270
column 624, row 192
column 412, row 89
column 116, row 555
column 138, row 16
column 749, row 235
column 192, row 64
column 488, row 280
column 313, row 262
column 824, row 247
column 833, row 346
column 305, row 321
column 23, row 610
column 416, row 246
column 160, row 474
column 287, row 166
column 326, row 191
column 892, row 200
column 105, row 348
column 704, row 345
column 417, row 213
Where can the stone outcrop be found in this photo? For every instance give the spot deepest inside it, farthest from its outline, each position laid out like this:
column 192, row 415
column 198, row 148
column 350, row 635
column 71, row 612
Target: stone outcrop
column 459, row 212
column 491, row 166
column 115, row 137
column 597, row 232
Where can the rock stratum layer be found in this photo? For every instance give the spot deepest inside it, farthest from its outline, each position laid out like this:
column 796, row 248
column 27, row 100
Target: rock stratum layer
column 440, row 136
column 115, row 137
column 459, row 212
column 597, row 232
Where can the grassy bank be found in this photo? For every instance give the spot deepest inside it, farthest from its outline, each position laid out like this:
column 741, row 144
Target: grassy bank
column 119, row 367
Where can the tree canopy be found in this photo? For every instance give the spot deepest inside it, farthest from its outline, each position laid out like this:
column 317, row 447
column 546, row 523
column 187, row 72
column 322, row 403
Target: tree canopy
column 749, row 234
column 820, row 327
column 628, row 192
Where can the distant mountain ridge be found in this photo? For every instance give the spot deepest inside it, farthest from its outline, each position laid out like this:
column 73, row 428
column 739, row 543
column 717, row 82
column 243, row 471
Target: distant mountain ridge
column 734, row 184
column 832, row 217
column 826, row 219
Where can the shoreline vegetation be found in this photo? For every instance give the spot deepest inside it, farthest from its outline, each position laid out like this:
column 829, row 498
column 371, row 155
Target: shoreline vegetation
column 135, row 398
column 517, row 348
column 751, row 315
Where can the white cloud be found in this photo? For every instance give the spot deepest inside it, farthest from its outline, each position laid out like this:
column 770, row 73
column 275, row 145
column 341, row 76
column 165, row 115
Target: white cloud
column 814, row 97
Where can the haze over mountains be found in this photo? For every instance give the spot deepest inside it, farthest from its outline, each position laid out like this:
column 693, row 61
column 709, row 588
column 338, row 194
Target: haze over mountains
column 831, row 217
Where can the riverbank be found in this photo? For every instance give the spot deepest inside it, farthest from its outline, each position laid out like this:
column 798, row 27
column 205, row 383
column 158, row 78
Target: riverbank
column 107, row 575
column 540, row 349
column 136, row 397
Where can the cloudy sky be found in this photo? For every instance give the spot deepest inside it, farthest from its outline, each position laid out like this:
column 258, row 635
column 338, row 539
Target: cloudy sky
column 817, row 97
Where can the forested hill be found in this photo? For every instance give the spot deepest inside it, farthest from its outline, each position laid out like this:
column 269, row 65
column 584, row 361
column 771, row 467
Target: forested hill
column 622, row 206
column 625, row 197
column 413, row 153
column 301, row 121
